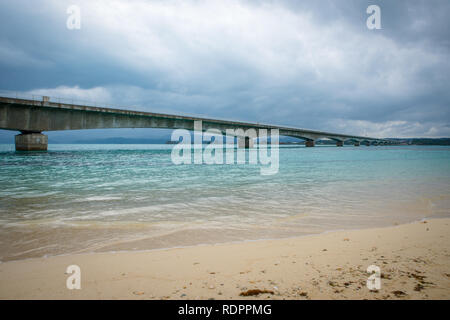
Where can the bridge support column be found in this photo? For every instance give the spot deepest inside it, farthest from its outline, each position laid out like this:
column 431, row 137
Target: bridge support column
column 339, row 143
column 245, row 142
column 357, row 144
column 310, row 143
column 31, row 141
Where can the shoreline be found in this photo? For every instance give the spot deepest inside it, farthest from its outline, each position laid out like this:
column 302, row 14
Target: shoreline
column 232, row 242
column 415, row 264
column 147, row 243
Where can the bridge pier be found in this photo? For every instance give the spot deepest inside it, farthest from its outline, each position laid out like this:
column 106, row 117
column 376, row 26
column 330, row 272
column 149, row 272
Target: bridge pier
column 245, row 142
column 357, row 144
column 339, row 143
column 310, row 143
column 31, row 141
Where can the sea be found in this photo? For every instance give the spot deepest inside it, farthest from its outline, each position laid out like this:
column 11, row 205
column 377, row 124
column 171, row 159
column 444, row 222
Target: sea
column 109, row 198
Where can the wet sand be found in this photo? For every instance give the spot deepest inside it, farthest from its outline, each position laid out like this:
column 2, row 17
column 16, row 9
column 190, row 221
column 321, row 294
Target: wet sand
column 414, row 260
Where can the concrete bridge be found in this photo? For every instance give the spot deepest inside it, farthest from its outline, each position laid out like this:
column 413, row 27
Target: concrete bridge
column 32, row 117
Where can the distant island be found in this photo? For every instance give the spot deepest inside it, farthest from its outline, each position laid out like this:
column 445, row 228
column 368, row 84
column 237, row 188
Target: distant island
column 403, row 141
column 119, row 140
column 283, row 141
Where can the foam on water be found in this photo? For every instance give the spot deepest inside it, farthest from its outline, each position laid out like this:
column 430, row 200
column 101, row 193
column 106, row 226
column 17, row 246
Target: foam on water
column 100, row 198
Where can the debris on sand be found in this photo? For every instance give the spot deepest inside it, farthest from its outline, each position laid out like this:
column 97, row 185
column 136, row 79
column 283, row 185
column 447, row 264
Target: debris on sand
column 385, row 276
column 332, row 284
column 416, row 276
column 254, row 292
column 399, row 293
column 419, row 287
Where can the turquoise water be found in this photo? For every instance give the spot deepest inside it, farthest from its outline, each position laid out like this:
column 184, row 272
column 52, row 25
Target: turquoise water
column 83, row 198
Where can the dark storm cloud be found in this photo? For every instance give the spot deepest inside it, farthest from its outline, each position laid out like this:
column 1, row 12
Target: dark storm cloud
column 311, row 64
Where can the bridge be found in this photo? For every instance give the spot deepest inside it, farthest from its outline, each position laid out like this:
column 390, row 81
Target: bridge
column 33, row 116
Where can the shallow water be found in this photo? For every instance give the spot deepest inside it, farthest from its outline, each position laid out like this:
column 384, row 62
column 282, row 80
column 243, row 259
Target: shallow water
column 83, row 198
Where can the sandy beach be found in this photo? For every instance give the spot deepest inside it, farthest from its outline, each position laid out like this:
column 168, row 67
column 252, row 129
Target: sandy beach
column 414, row 260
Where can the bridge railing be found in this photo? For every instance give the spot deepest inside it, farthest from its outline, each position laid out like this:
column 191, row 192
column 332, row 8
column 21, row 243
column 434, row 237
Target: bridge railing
column 64, row 100
column 90, row 103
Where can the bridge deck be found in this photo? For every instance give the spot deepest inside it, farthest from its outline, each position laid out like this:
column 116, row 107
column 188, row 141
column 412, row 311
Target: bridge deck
column 44, row 115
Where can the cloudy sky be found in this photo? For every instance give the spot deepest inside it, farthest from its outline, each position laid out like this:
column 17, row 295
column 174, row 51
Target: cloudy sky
column 311, row 64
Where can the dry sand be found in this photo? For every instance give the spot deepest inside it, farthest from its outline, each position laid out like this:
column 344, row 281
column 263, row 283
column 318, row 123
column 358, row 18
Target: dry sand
column 414, row 261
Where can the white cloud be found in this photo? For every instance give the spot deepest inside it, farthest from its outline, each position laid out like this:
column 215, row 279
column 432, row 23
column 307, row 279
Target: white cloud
column 67, row 94
column 392, row 129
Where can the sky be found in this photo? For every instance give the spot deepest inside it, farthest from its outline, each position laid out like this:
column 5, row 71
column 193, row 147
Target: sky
column 309, row 64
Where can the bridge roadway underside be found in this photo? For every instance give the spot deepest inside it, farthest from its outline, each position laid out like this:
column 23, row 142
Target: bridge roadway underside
column 32, row 117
